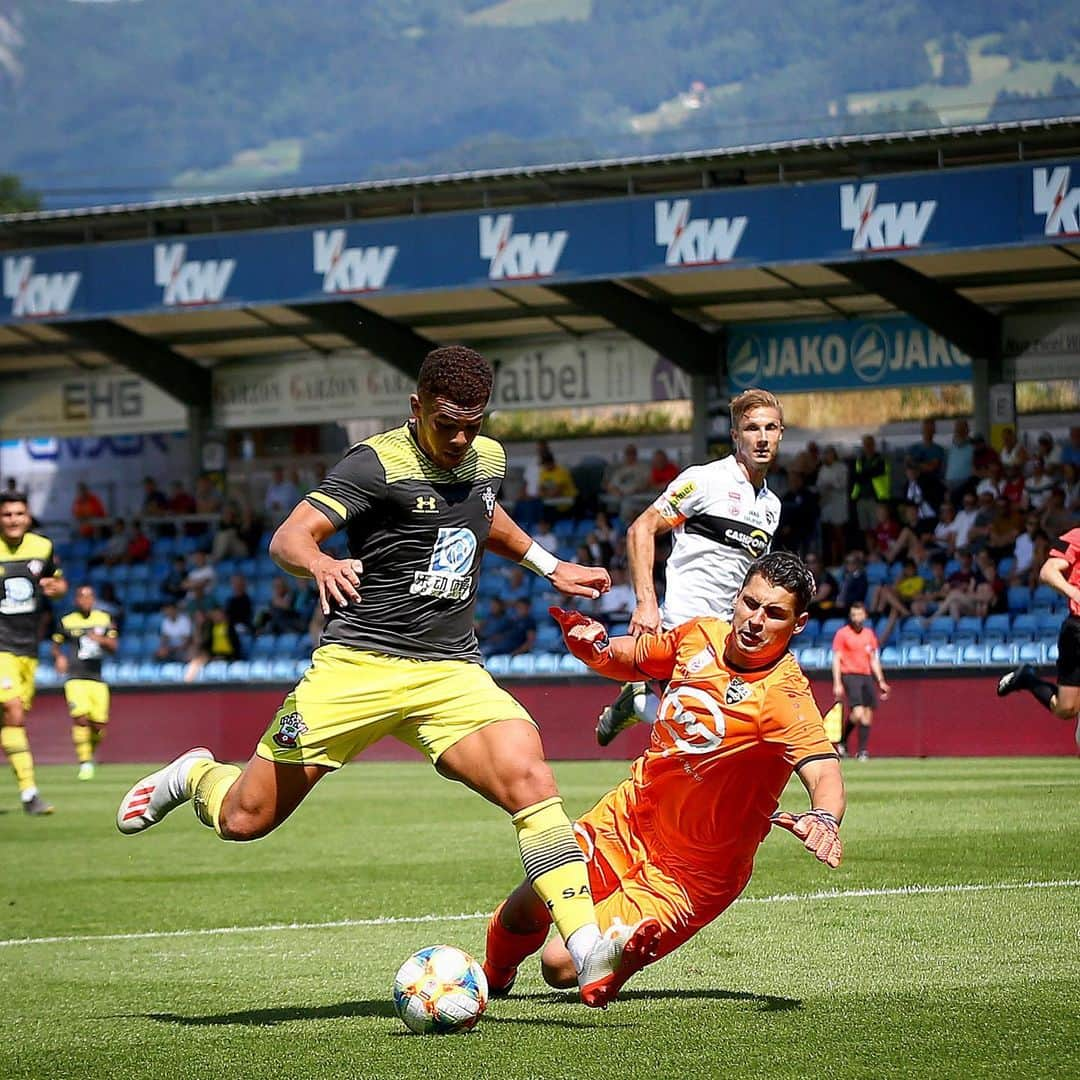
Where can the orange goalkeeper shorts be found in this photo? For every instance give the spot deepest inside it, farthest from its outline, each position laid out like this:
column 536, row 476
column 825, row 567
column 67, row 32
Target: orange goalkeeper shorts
column 629, row 882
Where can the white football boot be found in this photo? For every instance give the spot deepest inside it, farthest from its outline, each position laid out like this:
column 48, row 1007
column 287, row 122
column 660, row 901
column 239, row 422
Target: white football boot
column 620, row 952
column 156, row 795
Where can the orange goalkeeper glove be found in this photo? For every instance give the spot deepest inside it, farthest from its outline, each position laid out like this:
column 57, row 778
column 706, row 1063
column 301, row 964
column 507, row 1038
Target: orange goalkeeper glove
column 818, row 830
column 586, row 638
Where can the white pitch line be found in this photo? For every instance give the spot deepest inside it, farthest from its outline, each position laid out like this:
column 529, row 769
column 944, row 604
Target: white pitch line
column 414, row 920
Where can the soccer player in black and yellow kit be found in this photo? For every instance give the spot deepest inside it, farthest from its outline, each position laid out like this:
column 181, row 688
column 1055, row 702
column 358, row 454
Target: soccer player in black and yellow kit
column 419, row 506
column 28, row 570
column 91, row 634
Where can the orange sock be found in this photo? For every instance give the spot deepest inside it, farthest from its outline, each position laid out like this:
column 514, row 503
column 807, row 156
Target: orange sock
column 505, row 950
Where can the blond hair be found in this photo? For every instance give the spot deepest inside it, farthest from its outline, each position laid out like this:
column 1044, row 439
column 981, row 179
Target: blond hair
column 753, row 399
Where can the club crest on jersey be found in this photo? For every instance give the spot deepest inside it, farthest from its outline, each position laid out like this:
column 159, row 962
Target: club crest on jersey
column 736, row 691
column 489, row 501
column 734, row 501
column 290, row 726
column 702, row 659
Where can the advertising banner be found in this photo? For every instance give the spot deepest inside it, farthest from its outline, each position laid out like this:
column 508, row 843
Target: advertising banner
column 861, row 354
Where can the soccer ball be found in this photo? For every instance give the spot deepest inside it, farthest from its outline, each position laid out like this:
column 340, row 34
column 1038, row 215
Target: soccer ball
column 440, row 990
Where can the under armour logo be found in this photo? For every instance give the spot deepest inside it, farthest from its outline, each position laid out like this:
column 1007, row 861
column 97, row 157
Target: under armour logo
column 425, row 504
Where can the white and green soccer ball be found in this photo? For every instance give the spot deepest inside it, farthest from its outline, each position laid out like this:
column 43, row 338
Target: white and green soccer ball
column 440, row 990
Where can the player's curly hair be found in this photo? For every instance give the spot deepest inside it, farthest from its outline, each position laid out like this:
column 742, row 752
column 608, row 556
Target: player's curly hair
column 462, row 375
column 13, row 496
column 788, row 571
column 753, row 398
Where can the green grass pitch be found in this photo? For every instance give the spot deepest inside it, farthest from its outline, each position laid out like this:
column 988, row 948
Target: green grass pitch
column 173, row 954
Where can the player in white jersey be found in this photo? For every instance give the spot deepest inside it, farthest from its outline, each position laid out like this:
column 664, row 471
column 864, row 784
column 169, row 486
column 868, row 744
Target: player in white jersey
column 723, row 516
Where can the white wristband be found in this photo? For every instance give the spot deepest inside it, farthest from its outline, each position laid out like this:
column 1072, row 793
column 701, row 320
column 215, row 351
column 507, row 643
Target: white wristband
column 539, row 560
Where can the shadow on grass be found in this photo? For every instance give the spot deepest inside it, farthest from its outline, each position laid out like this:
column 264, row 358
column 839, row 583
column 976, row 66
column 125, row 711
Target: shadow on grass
column 766, row 1002
column 385, row 1008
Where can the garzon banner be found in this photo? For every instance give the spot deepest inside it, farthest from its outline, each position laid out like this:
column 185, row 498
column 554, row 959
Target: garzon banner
column 355, row 385
column 839, row 355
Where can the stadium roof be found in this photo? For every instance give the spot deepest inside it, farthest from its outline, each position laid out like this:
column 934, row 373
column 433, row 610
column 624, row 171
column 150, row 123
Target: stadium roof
column 989, row 280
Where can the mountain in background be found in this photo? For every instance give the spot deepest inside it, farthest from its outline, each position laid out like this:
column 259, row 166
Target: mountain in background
column 120, row 100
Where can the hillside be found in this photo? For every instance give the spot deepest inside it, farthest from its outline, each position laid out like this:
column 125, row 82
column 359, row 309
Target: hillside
column 119, row 100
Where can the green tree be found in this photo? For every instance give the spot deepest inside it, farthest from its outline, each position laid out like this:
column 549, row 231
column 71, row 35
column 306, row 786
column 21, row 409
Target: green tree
column 14, row 198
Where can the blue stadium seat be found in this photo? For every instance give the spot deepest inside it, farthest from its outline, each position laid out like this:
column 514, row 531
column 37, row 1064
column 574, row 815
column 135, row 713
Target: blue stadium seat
column 46, row 676
column 877, row 573
column 239, row 671
column 1044, row 597
column 1006, row 566
column 264, row 647
column 108, row 670
column 135, row 622
column 497, row 665
column 1052, row 653
column 810, row 633
column 547, row 663
column 44, row 651
column 1004, row 654
column 164, row 548
column 126, row 673
column 1019, row 599
column 941, row 630
column 871, row 596
column 286, row 644
column 139, row 572
column 1001, row 623
column 149, row 672
column 974, row 654
column 829, row 628
column 523, row 664
column 1031, row 652
column 571, row 665
column 812, row 658
column 1025, row 626
column 260, row 670
column 226, row 567
column 215, row 671
column 130, row 646
column 283, row 670
column 548, row 636
column 301, row 667
column 890, row 656
column 945, row 654
column 916, row 655
column 969, row 624
column 171, row 672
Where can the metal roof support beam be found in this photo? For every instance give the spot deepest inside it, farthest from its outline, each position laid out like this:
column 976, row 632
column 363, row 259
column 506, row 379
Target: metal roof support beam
column 968, row 325
column 683, row 342
column 170, row 372
column 399, row 346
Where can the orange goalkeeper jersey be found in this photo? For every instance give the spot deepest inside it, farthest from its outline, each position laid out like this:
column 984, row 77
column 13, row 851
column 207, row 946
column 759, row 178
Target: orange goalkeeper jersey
column 724, row 745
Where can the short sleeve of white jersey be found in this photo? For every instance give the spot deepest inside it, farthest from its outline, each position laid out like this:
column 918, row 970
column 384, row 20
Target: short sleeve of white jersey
column 683, row 497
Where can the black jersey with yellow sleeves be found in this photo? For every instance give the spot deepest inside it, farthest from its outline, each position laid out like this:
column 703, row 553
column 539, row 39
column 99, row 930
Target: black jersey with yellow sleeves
column 420, row 531
column 21, row 569
column 84, row 633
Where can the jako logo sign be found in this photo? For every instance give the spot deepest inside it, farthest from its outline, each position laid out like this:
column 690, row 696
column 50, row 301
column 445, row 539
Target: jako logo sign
column 695, row 241
column 884, row 227
column 189, row 283
column 35, row 295
column 350, row 270
column 831, row 355
column 1052, row 196
column 518, row 255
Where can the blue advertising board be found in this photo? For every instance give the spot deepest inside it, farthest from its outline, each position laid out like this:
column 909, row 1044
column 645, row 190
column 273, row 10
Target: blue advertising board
column 863, row 354
column 963, row 209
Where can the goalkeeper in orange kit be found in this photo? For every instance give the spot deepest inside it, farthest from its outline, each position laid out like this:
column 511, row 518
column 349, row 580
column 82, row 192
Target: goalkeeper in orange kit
column 674, row 844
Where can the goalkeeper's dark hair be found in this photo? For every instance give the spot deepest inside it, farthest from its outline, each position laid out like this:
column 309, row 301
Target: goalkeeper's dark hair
column 459, row 374
column 14, row 496
column 789, row 572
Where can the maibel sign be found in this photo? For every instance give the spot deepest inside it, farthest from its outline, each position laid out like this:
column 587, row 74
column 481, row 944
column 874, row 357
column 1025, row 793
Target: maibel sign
column 858, row 355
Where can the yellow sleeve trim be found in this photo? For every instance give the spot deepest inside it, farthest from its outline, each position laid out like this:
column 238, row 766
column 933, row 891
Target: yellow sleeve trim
column 332, row 503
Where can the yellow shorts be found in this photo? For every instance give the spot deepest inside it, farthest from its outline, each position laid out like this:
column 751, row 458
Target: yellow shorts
column 349, row 699
column 17, row 678
column 87, row 698
column 628, row 881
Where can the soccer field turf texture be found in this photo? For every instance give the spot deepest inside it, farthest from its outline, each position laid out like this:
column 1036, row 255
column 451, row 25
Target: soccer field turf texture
column 172, row 953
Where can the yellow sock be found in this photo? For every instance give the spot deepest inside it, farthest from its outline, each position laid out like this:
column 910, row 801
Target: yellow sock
column 555, row 865
column 96, row 735
column 17, row 747
column 84, row 743
column 208, row 783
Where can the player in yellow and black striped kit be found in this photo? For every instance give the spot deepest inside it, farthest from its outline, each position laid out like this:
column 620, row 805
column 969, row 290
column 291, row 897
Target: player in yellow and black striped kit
column 90, row 633
column 28, row 570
